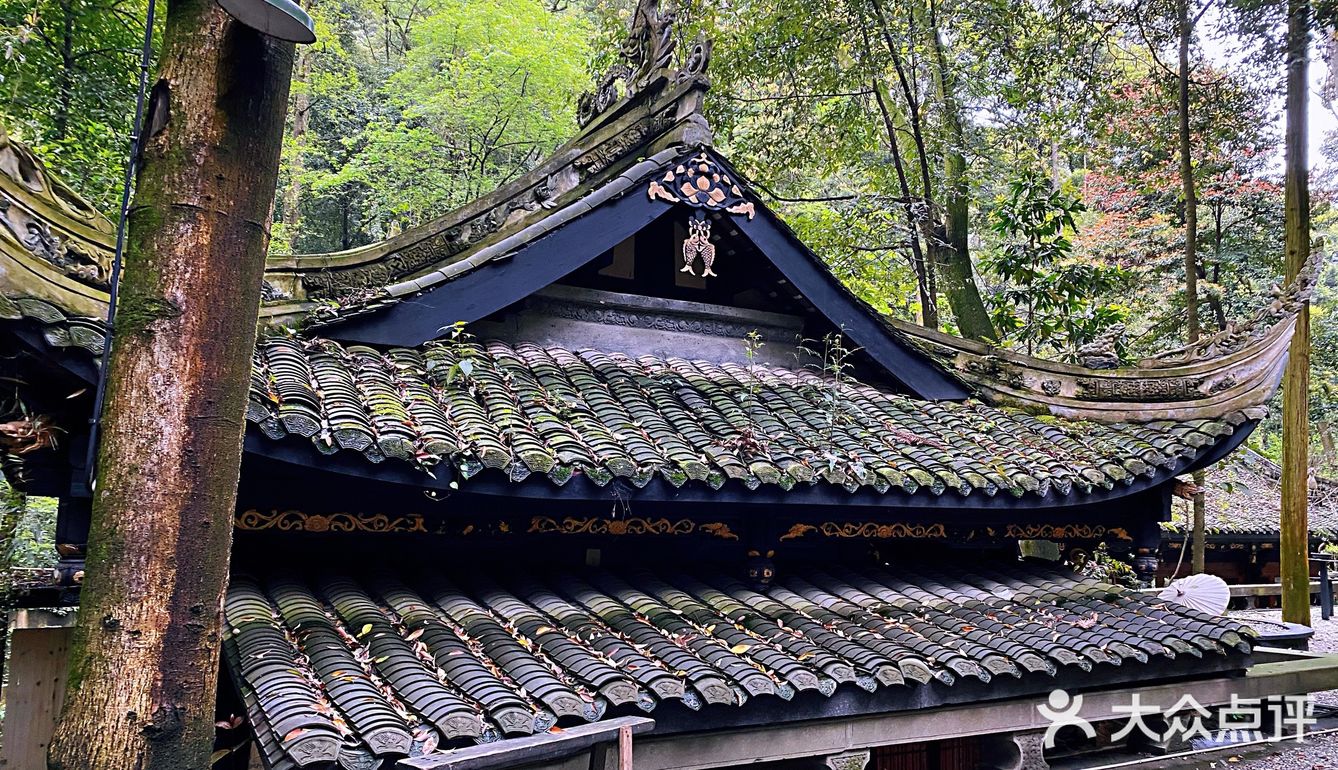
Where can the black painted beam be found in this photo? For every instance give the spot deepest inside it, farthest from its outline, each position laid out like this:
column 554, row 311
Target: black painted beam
column 502, row 282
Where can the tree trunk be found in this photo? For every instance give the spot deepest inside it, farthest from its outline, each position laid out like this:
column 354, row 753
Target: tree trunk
column 145, row 655
column 953, row 255
column 1191, row 256
column 928, row 305
column 1215, row 296
column 292, row 194
column 1295, row 545
column 1187, row 183
column 924, row 268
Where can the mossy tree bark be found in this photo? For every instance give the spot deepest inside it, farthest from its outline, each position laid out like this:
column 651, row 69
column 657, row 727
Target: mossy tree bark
column 1295, row 545
column 144, row 662
column 952, row 253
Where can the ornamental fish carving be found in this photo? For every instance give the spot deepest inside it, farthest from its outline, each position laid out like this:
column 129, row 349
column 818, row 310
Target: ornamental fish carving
column 698, row 245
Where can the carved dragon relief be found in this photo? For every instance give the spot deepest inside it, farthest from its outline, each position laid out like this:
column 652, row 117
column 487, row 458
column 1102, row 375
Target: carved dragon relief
column 1234, row 371
column 645, row 60
column 42, row 217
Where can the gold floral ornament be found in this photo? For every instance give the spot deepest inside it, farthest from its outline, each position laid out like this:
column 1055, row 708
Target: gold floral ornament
column 1064, row 532
column 867, row 530
column 297, row 521
column 633, row 525
column 702, row 184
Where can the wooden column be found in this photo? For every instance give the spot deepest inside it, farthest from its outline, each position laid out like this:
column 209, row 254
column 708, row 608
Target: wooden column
column 38, row 661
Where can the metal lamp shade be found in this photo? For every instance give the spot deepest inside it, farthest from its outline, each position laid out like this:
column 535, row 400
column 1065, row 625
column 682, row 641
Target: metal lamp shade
column 282, row 19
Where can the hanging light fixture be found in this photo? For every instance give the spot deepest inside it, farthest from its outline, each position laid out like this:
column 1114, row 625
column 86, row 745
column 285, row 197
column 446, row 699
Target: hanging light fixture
column 281, row 19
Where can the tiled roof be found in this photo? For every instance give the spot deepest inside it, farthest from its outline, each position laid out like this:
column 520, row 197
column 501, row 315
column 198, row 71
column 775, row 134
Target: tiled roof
column 1243, row 496
column 388, row 668
column 528, row 410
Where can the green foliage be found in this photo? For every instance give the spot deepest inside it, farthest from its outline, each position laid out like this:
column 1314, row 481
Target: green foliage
column 1048, row 300
column 34, row 538
column 27, row 529
column 67, row 84
column 406, row 108
column 412, row 115
column 1104, row 567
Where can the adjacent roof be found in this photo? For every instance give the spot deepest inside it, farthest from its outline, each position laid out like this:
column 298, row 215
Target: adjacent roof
column 1243, row 495
column 1233, row 369
column 528, row 410
column 380, row 667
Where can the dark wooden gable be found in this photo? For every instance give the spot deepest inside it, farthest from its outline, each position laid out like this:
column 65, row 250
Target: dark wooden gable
column 564, row 252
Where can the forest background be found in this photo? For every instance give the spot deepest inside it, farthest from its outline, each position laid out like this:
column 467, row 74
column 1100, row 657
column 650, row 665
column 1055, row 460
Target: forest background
column 928, row 150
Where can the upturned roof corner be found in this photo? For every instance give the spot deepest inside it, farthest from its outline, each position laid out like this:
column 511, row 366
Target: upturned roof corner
column 1237, row 369
column 55, row 248
column 55, row 253
column 648, row 105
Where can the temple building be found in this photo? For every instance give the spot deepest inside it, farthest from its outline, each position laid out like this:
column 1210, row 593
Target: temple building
column 1242, row 518
column 610, row 446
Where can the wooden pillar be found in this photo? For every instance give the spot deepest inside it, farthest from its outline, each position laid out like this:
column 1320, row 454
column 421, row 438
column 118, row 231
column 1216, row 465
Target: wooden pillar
column 39, row 651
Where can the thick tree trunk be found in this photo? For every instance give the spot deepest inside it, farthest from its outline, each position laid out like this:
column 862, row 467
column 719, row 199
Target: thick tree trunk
column 1295, row 545
column 145, row 656
column 953, row 256
column 1191, row 256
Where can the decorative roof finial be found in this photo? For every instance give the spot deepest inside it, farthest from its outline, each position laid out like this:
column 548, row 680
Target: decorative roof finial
column 644, row 62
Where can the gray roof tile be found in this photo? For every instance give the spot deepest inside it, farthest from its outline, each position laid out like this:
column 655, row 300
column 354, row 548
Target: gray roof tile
column 379, row 666
column 531, row 410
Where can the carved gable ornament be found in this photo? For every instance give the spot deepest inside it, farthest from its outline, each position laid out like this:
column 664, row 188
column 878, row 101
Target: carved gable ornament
column 645, row 60
column 701, row 184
